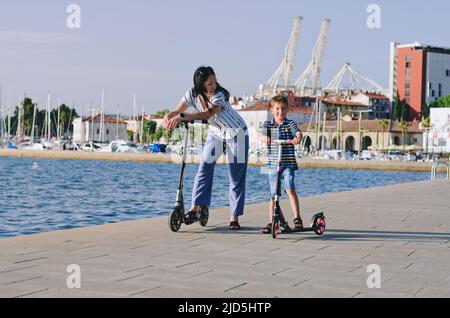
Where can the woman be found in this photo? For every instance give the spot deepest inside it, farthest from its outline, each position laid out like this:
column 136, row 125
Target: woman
column 226, row 128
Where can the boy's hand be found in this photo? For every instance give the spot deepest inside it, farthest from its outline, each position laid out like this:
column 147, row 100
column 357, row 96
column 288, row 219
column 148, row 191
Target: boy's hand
column 268, row 140
column 296, row 141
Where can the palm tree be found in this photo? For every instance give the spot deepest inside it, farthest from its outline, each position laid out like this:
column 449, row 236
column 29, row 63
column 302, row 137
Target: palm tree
column 383, row 123
column 426, row 122
column 404, row 127
column 426, row 126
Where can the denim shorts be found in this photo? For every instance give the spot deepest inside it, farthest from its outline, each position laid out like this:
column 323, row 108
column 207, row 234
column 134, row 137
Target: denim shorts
column 287, row 179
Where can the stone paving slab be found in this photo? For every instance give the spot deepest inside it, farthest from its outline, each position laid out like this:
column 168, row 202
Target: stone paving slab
column 405, row 229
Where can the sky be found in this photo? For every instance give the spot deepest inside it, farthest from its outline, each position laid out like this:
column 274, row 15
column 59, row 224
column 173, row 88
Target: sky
column 152, row 48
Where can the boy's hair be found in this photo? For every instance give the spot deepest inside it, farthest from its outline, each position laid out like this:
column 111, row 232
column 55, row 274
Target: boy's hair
column 279, row 100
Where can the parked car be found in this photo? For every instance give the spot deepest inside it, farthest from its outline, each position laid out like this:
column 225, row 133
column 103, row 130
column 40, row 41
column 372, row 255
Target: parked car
column 350, row 155
column 367, row 155
column 410, row 157
column 158, row 148
column 395, row 155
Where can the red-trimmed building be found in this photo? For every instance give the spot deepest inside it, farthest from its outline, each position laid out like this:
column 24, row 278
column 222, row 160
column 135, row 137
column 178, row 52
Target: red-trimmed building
column 420, row 74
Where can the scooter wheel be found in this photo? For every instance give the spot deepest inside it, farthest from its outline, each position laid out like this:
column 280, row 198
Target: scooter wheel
column 275, row 227
column 175, row 220
column 204, row 216
column 319, row 225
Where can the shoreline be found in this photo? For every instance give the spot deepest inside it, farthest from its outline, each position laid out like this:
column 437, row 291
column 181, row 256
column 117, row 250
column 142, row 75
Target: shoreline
column 253, row 160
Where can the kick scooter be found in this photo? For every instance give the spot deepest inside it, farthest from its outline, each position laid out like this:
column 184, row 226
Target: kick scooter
column 178, row 216
column 318, row 220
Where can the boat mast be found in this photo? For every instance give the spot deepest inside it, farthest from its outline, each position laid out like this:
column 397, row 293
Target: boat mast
column 58, row 128
column 18, row 132
column 9, row 113
column 49, row 121
column 102, row 117
column 32, row 127
column 134, row 118
column 117, row 123
column 142, row 126
column 1, row 119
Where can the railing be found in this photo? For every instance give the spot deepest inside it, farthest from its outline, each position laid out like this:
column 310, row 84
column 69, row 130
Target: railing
column 436, row 165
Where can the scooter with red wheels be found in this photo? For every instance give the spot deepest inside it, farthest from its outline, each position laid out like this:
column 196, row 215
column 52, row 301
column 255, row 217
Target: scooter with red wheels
column 279, row 223
column 178, row 216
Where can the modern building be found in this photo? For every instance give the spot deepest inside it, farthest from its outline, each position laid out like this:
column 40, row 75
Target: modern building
column 437, row 137
column 379, row 105
column 420, row 74
column 92, row 128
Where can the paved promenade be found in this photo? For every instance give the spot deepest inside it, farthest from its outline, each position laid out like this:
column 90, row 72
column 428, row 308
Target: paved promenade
column 404, row 229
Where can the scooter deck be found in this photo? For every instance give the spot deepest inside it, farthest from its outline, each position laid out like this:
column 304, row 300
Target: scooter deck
column 292, row 230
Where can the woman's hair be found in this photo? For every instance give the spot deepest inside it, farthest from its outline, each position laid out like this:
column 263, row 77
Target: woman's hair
column 201, row 75
column 279, row 99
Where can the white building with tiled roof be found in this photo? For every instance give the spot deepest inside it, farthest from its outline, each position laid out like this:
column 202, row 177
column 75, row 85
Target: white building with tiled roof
column 89, row 129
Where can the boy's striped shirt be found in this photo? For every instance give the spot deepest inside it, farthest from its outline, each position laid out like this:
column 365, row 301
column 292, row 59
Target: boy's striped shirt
column 285, row 131
column 227, row 123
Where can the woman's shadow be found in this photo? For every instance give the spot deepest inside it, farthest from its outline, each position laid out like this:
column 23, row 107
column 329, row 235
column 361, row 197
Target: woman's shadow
column 338, row 234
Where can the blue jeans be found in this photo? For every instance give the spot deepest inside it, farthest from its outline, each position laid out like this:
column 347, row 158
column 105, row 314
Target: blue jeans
column 287, row 179
column 237, row 152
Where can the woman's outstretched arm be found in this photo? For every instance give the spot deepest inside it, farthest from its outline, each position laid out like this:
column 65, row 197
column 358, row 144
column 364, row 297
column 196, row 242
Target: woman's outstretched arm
column 204, row 115
column 181, row 107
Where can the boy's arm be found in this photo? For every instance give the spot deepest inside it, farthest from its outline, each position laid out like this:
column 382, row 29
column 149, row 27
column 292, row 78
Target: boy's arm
column 298, row 138
column 297, row 133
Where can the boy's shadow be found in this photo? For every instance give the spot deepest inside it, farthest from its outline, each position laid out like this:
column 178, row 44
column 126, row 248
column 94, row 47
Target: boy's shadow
column 337, row 234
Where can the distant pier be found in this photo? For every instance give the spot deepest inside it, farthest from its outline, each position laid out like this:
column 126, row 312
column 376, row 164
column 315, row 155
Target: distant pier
column 253, row 160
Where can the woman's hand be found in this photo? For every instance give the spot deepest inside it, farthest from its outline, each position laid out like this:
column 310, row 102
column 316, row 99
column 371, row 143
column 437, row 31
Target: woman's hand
column 172, row 123
column 166, row 120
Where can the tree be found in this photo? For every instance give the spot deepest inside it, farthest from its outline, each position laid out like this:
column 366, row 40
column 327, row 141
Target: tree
column 158, row 134
column 404, row 127
column 150, row 126
column 426, row 122
column 425, row 110
column 66, row 117
column 404, row 111
column 26, row 117
column 443, row 102
column 28, row 110
column 383, row 123
column 162, row 113
column 396, row 106
column 130, row 135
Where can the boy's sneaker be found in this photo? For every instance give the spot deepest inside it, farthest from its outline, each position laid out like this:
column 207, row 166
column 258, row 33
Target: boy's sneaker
column 298, row 224
column 267, row 229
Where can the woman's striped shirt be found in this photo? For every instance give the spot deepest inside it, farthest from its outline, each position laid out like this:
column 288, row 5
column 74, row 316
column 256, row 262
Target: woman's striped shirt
column 285, row 131
column 227, row 123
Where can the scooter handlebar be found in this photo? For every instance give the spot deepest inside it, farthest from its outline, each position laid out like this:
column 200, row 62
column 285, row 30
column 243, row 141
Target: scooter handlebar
column 193, row 121
column 283, row 142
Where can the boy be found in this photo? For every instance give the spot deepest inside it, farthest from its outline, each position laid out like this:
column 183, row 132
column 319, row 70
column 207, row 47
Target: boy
column 282, row 128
